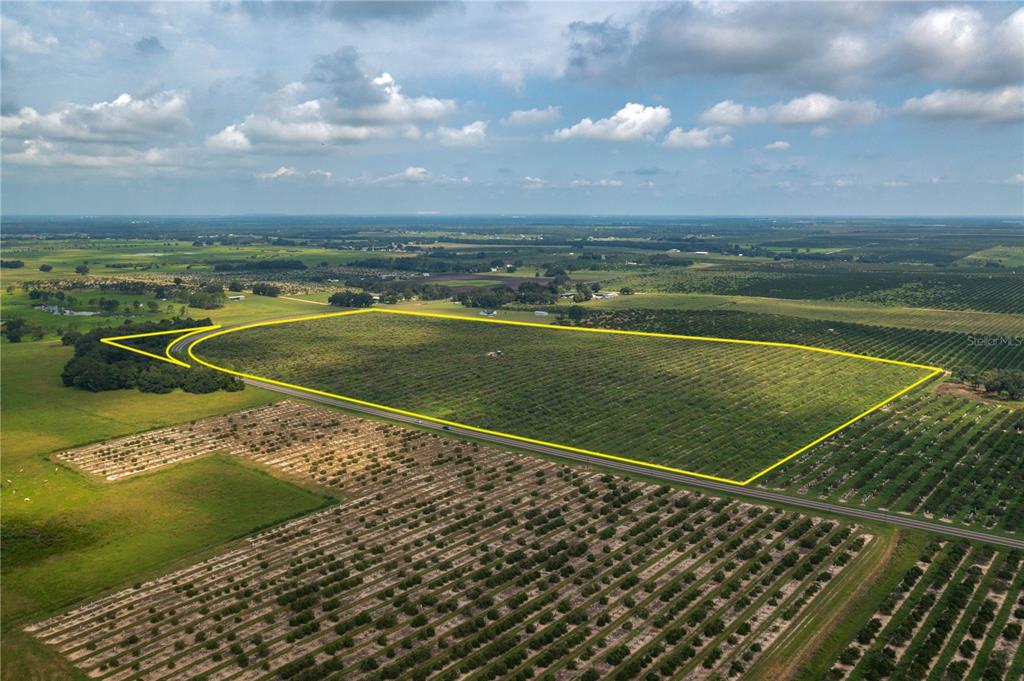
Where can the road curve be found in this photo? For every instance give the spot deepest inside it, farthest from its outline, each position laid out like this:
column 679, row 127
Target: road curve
column 180, row 349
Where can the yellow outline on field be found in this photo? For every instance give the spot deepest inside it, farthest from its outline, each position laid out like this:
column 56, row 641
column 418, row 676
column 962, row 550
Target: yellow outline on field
column 933, row 371
column 167, row 357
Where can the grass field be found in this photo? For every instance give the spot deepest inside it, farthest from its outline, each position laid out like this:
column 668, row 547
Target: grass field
column 714, row 408
column 66, row 537
column 253, row 308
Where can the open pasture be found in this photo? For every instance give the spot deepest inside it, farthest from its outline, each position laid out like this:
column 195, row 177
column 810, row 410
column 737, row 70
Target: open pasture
column 713, row 408
column 454, row 561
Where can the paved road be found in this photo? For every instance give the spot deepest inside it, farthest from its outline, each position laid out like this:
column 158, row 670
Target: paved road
column 813, row 504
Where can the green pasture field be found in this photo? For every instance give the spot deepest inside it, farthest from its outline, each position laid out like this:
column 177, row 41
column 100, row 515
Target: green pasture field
column 167, row 257
column 253, row 308
column 961, row 321
column 1007, row 256
column 713, row 408
column 75, row 537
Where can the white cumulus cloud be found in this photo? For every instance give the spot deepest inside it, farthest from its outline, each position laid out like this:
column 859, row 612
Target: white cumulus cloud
column 20, row 38
column 522, row 117
column 123, row 120
column 778, row 145
column 605, row 183
column 384, row 113
column 1002, row 105
column 471, row 135
column 697, row 138
column 814, row 109
column 631, row 123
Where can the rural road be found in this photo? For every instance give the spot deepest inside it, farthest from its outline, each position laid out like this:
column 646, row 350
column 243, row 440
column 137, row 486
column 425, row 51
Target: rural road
column 180, row 349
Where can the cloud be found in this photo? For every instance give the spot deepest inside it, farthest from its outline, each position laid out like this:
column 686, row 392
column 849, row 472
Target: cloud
column 354, row 12
column 778, row 145
column 529, row 182
column 604, row 183
column 895, row 184
column 596, row 48
column 631, row 123
column 471, row 135
column 289, row 173
column 123, row 120
column 411, row 175
column 117, row 160
column 958, row 44
column 1002, row 105
column 835, row 45
column 281, row 173
column 813, row 109
column 697, row 138
column 649, row 171
column 19, row 38
column 358, row 108
column 1017, row 179
column 150, row 46
column 522, row 117
column 808, row 43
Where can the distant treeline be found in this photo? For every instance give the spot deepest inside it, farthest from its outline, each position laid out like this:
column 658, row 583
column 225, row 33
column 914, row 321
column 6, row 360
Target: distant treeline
column 259, row 265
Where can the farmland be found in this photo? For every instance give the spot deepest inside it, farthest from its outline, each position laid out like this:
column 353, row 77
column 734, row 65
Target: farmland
column 956, row 614
column 669, row 401
column 946, row 349
column 454, row 561
column 937, row 456
column 143, row 533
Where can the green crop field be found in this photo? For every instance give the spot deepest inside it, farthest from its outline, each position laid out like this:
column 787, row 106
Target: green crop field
column 714, row 408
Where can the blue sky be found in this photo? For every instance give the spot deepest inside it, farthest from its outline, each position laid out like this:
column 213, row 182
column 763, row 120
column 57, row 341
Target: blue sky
column 403, row 107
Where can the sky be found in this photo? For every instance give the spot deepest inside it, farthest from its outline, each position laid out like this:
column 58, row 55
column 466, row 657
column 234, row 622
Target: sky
column 705, row 108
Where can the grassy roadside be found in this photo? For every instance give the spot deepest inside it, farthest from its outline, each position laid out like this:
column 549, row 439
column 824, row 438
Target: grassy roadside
column 827, row 627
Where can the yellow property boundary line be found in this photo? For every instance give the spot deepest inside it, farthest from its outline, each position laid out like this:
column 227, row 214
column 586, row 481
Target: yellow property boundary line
column 933, row 371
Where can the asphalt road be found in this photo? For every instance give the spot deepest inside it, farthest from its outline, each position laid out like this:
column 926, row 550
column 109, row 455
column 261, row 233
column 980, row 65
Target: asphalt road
column 803, row 502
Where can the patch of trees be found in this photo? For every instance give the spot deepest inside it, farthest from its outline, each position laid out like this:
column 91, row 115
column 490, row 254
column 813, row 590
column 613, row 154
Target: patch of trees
column 45, row 268
column 265, row 289
column 351, row 299
column 16, row 329
column 260, row 265
column 98, row 367
column 12, row 264
column 528, row 293
column 209, row 297
column 1006, row 384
